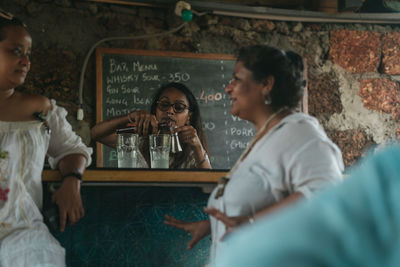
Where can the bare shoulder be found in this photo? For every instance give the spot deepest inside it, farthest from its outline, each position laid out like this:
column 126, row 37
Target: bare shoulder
column 37, row 103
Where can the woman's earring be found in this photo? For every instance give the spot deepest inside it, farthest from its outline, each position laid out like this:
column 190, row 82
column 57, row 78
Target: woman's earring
column 267, row 100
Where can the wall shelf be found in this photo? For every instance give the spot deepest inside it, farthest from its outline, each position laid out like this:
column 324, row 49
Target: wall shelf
column 261, row 12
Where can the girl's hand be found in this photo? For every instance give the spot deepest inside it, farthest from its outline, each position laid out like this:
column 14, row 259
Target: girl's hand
column 143, row 120
column 188, row 134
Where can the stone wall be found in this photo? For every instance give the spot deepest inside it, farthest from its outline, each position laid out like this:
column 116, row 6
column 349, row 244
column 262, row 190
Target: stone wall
column 353, row 69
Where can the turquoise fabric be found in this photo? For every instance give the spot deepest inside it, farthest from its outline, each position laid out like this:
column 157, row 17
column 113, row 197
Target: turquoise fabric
column 354, row 224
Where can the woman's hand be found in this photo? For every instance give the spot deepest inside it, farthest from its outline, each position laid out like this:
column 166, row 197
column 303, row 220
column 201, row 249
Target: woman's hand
column 143, row 120
column 198, row 229
column 230, row 222
column 188, row 134
column 69, row 202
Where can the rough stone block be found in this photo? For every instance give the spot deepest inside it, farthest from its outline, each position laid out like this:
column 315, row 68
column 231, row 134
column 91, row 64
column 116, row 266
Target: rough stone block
column 323, row 94
column 391, row 53
column 355, row 51
column 263, row 25
column 381, row 95
column 59, row 83
column 352, row 143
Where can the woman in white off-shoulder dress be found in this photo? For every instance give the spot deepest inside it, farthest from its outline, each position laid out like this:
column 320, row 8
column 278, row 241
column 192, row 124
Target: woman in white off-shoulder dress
column 32, row 127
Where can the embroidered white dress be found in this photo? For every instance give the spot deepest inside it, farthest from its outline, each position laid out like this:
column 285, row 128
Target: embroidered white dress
column 24, row 238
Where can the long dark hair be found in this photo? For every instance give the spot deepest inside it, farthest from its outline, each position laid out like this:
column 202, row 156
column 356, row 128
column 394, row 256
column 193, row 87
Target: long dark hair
column 195, row 118
column 8, row 20
column 263, row 61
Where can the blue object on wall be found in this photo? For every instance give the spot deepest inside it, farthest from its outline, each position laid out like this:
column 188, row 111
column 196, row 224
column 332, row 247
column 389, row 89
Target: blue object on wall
column 123, row 226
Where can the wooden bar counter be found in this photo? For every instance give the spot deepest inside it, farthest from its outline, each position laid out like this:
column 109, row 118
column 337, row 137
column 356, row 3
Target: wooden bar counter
column 142, row 176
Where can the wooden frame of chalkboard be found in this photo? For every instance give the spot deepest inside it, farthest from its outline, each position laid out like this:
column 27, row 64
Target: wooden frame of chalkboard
column 127, row 79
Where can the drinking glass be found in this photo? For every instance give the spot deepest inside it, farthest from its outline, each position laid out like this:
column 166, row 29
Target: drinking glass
column 127, row 150
column 160, row 146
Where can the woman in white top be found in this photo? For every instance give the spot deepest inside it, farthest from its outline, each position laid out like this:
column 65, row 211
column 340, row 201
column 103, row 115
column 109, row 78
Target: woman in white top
column 289, row 158
column 32, row 126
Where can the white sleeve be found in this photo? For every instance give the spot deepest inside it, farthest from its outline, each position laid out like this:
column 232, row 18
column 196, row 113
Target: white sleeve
column 63, row 140
column 317, row 165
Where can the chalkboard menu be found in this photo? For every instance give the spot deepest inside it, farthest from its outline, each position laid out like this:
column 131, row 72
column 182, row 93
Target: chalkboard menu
column 127, row 80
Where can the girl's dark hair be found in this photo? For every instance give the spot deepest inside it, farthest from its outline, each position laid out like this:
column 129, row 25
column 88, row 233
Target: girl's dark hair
column 8, row 20
column 263, row 61
column 195, row 118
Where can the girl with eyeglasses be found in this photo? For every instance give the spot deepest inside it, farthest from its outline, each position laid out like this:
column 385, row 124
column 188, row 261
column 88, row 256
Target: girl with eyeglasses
column 31, row 127
column 175, row 105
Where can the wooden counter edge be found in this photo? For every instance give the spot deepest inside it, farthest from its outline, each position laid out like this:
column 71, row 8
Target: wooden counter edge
column 157, row 176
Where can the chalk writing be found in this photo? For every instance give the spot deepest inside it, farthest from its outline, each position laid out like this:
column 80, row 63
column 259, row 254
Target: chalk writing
column 237, row 144
column 130, row 80
column 210, row 97
column 178, row 77
column 122, row 78
column 114, row 67
column 113, row 112
column 113, row 101
column 113, row 155
column 111, row 90
column 138, row 66
column 242, row 131
column 129, row 90
column 209, row 125
column 136, row 100
column 150, row 77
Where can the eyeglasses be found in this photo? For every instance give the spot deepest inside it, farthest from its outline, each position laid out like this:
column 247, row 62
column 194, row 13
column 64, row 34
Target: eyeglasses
column 165, row 105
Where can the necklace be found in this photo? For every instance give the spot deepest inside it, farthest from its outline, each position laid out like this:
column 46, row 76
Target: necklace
column 225, row 179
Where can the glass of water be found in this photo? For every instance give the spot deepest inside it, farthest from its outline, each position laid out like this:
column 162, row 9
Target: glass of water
column 160, row 146
column 127, row 150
